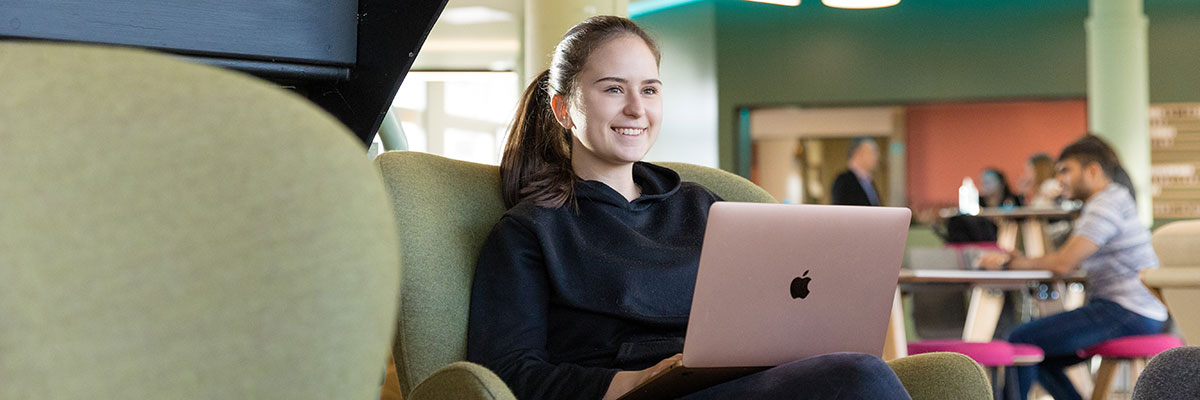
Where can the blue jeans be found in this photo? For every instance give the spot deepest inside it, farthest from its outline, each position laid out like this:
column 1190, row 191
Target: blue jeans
column 1061, row 335
column 830, row 376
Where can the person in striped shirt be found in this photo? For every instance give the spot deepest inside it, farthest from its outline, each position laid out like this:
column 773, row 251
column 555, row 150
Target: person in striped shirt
column 1112, row 246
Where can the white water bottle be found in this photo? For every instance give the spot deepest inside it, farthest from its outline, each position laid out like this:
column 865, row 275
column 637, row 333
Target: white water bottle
column 968, row 197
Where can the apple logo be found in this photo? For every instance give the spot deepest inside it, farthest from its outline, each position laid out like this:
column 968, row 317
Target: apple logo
column 800, row 286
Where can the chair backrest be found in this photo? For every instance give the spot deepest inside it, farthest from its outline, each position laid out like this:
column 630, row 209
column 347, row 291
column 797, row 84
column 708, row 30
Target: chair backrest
column 444, row 211
column 1170, row 375
column 1176, row 244
column 175, row 230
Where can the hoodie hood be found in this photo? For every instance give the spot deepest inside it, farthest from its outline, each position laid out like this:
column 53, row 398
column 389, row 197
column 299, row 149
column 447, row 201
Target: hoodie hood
column 657, row 183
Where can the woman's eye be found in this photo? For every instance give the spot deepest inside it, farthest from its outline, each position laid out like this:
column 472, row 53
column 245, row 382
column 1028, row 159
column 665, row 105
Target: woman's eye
column 650, row 90
column 614, row 89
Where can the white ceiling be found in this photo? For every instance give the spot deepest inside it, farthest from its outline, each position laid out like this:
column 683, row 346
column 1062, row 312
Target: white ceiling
column 493, row 45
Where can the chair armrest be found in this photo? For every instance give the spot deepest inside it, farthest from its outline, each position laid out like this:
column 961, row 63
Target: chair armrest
column 1171, row 277
column 461, row 381
column 936, row 376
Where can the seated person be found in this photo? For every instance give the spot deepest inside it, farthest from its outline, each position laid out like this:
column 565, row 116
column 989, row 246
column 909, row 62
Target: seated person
column 1040, row 188
column 583, row 288
column 994, row 190
column 1042, row 191
column 1112, row 245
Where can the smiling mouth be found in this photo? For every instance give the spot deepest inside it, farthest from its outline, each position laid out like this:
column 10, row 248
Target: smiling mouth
column 630, row 131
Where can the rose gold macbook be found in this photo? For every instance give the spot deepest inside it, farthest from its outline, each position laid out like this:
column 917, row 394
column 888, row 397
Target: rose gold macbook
column 779, row 283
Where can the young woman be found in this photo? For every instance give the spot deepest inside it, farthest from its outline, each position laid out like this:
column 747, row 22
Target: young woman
column 994, row 190
column 583, row 288
column 1039, row 186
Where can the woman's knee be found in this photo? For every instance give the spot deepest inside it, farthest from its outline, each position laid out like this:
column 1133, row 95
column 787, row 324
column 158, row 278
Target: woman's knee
column 855, row 364
column 1023, row 334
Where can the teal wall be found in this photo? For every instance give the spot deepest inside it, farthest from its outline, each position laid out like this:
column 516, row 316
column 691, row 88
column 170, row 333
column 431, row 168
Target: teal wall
column 924, row 51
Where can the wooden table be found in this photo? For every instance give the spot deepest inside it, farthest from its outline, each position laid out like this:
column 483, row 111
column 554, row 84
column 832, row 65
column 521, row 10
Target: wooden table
column 1031, row 222
column 983, row 311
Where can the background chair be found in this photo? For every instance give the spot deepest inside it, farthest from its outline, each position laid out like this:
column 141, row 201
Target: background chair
column 1174, row 374
column 444, row 211
column 172, row 230
column 1177, row 280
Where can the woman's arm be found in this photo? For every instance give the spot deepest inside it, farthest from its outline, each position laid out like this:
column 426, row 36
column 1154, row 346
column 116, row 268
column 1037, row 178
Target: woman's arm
column 625, row 381
column 507, row 327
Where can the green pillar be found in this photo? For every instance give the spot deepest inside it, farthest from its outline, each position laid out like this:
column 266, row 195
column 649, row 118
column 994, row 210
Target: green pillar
column 391, row 133
column 1119, row 90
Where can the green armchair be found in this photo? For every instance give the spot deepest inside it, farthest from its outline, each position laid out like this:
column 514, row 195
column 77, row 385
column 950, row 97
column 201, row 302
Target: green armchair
column 158, row 242
column 444, row 211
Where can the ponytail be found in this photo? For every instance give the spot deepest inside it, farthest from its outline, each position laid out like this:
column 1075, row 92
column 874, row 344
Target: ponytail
column 536, row 164
column 1120, row 177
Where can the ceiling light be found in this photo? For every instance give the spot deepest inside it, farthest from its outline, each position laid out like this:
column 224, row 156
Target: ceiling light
column 780, row 2
column 473, row 15
column 860, row 4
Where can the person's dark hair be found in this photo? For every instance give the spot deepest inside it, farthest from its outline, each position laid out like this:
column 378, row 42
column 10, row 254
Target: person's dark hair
column 536, row 164
column 1091, row 149
column 859, row 141
column 1008, row 195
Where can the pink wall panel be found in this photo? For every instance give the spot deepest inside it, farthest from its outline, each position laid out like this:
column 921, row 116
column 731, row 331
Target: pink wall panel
column 947, row 142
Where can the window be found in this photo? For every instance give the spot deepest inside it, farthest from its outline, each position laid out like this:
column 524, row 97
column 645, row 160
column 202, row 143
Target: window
column 460, row 115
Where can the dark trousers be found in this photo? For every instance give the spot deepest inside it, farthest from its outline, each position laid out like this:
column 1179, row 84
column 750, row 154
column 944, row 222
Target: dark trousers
column 831, row 376
column 1060, row 336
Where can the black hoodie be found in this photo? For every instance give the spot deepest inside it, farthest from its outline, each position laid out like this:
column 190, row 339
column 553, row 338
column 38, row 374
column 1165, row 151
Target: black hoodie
column 564, row 298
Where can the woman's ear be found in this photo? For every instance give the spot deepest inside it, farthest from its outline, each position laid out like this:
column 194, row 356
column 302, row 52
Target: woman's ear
column 558, row 104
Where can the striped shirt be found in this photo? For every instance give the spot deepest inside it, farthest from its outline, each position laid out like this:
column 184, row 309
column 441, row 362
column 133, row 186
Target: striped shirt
column 1110, row 220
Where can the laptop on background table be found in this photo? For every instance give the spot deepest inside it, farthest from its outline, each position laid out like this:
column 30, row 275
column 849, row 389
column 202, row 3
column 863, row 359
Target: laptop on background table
column 779, row 283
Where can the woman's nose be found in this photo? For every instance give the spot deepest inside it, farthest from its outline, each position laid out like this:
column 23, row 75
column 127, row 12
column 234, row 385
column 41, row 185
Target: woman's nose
column 634, row 107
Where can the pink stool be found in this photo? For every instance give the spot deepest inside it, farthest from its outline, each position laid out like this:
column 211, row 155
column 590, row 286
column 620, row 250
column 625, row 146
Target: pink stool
column 1024, row 354
column 1135, row 349
column 989, row 354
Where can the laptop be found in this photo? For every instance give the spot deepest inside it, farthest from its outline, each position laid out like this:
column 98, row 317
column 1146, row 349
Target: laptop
column 779, row 283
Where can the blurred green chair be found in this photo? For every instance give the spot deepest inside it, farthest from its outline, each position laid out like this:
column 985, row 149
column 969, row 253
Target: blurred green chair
column 444, row 211
column 172, row 230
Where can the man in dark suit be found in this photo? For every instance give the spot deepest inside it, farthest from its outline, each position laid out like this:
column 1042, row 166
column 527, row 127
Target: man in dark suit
column 854, row 187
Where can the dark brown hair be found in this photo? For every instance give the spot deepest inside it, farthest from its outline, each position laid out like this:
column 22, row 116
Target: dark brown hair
column 1091, row 149
column 536, row 164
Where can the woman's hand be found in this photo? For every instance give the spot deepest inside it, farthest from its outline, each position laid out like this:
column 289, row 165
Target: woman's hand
column 625, row 381
column 994, row 261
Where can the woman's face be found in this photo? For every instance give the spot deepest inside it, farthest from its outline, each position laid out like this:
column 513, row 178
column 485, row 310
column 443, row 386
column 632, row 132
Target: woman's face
column 989, row 184
column 616, row 110
column 1027, row 184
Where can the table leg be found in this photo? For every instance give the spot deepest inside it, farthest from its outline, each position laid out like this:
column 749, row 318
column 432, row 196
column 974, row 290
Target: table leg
column 895, row 345
column 1081, row 377
column 1034, row 234
column 1006, row 234
column 983, row 312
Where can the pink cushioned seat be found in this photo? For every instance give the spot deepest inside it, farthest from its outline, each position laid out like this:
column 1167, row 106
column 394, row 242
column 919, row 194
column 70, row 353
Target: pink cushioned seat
column 989, row 354
column 1027, row 354
column 1142, row 346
